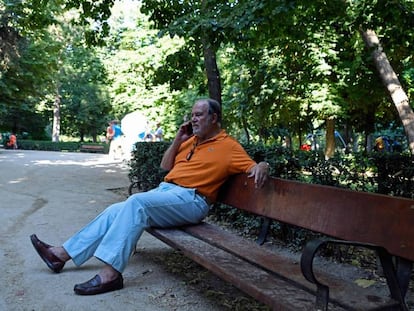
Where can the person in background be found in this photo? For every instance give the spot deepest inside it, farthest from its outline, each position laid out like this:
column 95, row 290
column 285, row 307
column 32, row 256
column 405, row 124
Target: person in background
column 158, row 134
column 115, row 148
column 149, row 137
column 117, row 130
column 109, row 132
column 12, row 141
column 199, row 162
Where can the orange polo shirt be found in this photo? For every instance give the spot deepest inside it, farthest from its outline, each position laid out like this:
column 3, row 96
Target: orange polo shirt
column 212, row 162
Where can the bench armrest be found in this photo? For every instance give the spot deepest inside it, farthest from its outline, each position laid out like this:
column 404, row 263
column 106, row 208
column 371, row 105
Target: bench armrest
column 396, row 284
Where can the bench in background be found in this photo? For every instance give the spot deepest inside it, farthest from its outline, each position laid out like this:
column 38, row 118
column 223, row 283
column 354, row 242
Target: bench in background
column 92, row 148
column 382, row 223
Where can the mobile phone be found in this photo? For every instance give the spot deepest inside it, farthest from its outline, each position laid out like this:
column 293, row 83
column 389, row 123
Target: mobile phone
column 189, row 129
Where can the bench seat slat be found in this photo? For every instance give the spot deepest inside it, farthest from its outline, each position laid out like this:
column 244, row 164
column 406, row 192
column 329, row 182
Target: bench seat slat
column 263, row 286
column 344, row 293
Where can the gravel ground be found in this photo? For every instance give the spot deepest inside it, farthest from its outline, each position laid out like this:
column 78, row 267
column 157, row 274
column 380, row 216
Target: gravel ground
column 53, row 195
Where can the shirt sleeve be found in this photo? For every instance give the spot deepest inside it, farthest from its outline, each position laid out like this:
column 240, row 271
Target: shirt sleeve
column 241, row 162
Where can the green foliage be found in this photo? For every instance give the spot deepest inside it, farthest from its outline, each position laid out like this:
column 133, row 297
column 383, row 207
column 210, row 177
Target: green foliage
column 291, row 64
column 94, row 18
column 176, row 69
column 137, row 61
column 24, row 81
column 145, row 172
column 395, row 173
column 85, row 104
column 53, row 146
column 385, row 173
column 408, row 77
column 65, row 69
column 283, row 65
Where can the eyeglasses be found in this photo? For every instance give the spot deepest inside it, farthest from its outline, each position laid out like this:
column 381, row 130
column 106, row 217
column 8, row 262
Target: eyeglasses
column 190, row 154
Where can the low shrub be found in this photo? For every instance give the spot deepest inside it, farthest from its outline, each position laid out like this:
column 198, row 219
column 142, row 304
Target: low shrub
column 55, row 146
column 386, row 173
column 145, row 172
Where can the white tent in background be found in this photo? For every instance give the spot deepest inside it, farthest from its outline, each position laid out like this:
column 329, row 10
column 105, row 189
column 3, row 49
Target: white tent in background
column 134, row 126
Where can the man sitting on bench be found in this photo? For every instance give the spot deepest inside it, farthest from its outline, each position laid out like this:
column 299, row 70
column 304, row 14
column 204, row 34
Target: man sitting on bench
column 199, row 160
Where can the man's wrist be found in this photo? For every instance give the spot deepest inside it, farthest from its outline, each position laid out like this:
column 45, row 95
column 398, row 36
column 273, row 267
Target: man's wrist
column 266, row 164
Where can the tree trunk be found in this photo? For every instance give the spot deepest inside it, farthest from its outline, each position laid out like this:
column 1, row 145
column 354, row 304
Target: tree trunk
column 330, row 138
column 56, row 118
column 212, row 72
column 210, row 63
column 391, row 82
column 94, row 136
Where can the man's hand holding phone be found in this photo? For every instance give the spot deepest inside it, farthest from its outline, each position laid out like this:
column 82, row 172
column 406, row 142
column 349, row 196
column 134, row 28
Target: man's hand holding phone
column 185, row 131
column 189, row 129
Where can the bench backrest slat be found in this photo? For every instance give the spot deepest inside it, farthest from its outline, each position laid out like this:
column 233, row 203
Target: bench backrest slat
column 350, row 215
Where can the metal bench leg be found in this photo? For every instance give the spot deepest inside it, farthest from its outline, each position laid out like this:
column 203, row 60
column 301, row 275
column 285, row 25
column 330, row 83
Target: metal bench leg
column 397, row 276
column 322, row 297
column 393, row 281
column 306, row 264
column 404, row 268
column 264, row 231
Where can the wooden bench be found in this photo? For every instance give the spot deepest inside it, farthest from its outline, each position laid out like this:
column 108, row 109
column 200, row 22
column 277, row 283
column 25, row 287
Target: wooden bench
column 92, row 148
column 381, row 223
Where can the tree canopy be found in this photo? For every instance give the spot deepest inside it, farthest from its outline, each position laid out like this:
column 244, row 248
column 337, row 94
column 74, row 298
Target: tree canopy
column 281, row 68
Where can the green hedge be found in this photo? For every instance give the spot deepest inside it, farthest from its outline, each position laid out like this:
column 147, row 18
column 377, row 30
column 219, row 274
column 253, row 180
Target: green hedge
column 145, row 172
column 385, row 173
column 55, row 146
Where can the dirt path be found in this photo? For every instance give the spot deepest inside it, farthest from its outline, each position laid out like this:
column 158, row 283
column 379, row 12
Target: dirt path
column 54, row 194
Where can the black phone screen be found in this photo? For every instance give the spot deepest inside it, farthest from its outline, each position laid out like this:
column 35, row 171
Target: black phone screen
column 189, row 129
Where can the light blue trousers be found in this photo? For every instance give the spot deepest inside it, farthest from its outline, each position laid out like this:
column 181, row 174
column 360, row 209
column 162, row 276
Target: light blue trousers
column 112, row 235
